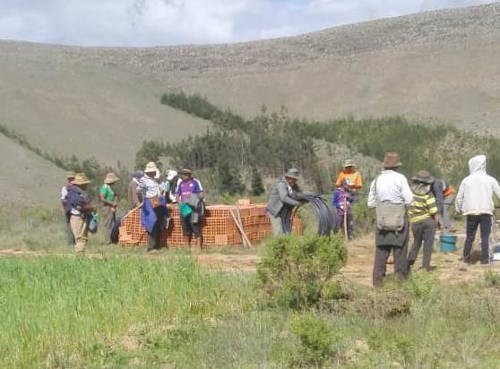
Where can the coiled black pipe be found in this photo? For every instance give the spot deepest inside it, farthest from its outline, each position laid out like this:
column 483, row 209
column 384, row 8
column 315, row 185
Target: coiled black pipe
column 323, row 211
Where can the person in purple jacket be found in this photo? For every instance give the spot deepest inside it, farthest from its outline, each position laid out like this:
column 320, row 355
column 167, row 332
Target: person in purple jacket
column 190, row 195
column 342, row 202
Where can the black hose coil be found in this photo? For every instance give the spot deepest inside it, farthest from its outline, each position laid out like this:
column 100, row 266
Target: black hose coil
column 323, row 211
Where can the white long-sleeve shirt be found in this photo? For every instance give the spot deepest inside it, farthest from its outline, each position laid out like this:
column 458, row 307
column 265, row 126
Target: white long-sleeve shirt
column 391, row 186
column 475, row 195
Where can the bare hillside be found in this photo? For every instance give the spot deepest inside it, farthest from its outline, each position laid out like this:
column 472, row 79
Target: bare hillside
column 26, row 178
column 103, row 102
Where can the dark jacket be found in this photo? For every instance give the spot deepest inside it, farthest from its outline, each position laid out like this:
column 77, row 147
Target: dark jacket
column 282, row 195
column 134, row 198
column 76, row 199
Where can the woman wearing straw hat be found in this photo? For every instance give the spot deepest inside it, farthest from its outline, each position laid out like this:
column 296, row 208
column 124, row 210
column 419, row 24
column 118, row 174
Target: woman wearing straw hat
column 109, row 200
column 154, row 209
column 78, row 204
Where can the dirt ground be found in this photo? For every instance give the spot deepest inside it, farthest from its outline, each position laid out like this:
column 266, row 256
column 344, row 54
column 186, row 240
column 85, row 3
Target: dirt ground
column 448, row 266
column 359, row 266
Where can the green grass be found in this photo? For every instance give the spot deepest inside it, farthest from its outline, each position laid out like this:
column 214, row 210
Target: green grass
column 130, row 312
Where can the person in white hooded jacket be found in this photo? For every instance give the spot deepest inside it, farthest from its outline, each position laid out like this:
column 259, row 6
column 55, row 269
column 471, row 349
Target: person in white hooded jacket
column 475, row 201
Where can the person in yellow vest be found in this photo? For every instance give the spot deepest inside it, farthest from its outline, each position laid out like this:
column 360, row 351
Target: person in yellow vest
column 350, row 177
column 424, row 218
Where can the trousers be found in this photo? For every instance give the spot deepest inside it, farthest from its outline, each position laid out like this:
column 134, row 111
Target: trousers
column 80, row 230
column 482, row 221
column 423, row 233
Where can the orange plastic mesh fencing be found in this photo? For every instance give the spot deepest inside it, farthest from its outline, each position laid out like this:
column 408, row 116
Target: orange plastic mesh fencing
column 218, row 227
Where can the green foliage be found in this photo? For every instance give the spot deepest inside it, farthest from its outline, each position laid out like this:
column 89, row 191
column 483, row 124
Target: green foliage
column 297, row 272
column 422, row 284
column 193, row 104
column 315, row 341
column 257, row 185
column 274, row 142
column 229, row 178
column 492, row 278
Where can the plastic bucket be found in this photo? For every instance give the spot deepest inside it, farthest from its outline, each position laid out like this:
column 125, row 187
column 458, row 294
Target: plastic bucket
column 448, row 243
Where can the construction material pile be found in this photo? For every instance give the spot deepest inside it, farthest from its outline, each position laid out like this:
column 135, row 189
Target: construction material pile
column 219, row 226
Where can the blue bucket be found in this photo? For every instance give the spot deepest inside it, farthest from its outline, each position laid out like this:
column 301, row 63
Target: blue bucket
column 448, row 243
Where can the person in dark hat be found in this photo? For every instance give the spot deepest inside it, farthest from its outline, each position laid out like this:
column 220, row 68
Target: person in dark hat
column 423, row 217
column 390, row 194
column 190, row 195
column 281, row 196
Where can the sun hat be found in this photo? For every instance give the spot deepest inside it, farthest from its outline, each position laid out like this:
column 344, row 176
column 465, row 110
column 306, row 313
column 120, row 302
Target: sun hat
column 349, row 163
column 150, row 167
column 186, row 171
column 292, row 173
column 391, row 160
column 111, row 178
column 80, row 179
column 171, row 174
column 423, row 176
column 70, row 175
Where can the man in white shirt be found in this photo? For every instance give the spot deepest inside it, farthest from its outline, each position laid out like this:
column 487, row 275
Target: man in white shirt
column 390, row 187
column 475, row 201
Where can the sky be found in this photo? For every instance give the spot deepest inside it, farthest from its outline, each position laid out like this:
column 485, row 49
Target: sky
column 174, row 22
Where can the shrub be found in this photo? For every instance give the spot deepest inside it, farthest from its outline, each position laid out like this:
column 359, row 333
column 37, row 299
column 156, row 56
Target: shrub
column 297, row 272
column 315, row 338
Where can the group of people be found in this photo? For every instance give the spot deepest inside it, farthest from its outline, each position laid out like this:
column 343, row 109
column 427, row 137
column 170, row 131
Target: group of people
column 401, row 206
column 145, row 190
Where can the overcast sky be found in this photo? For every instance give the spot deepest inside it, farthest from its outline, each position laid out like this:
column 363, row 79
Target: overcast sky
column 173, row 22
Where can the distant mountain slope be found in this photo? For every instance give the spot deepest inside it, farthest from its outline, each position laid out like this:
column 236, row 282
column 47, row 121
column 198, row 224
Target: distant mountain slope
column 82, row 108
column 27, row 179
column 103, row 102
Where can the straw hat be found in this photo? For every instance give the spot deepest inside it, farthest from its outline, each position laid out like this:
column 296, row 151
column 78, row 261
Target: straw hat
column 151, row 167
column 80, row 179
column 111, row 178
column 391, row 160
column 349, row 163
column 70, row 175
column 292, row 173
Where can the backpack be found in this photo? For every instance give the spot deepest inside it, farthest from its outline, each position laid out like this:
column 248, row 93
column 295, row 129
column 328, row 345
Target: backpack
column 390, row 217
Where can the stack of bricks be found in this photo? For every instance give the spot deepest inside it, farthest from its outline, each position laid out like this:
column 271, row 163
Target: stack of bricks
column 218, row 226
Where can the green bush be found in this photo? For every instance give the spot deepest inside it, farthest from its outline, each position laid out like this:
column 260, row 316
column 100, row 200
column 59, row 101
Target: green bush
column 315, row 338
column 297, row 272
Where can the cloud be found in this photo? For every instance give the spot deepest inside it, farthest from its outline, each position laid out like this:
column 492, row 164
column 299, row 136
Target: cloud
column 170, row 22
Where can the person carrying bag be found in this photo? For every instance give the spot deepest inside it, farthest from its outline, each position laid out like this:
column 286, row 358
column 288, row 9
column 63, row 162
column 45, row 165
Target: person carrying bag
column 390, row 194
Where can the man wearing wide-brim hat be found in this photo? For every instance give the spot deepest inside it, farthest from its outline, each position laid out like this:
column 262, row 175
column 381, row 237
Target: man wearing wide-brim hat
column 351, row 176
column 190, row 195
column 64, row 192
column 281, row 197
column 423, row 217
column 390, row 194
column 79, row 206
column 109, row 200
column 154, row 210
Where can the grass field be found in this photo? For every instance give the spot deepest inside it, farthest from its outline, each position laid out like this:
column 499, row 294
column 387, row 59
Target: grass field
column 122, row 309
column 126, row 312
